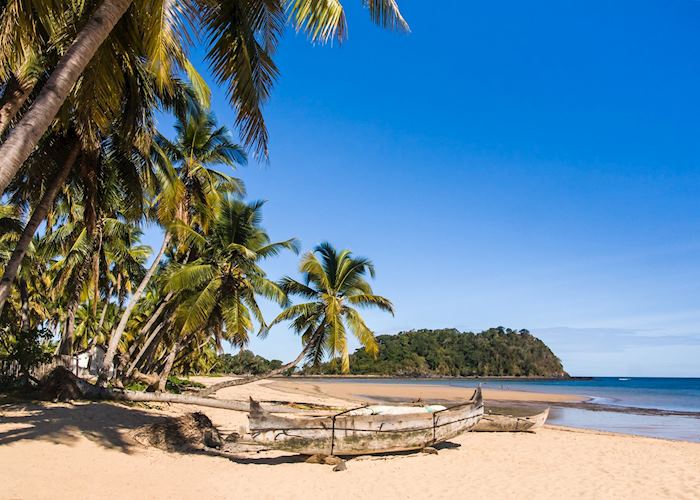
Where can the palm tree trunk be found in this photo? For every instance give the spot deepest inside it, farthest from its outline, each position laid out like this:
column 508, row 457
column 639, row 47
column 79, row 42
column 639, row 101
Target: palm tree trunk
column 168, row 367
column 143, row 350
column 24, row 297
column 103, row 315
column 17, row 95
column 26, row 134
column 35, row 220
column 117, row 335
column 146, row 328
column 96, row 266
column 90, row 391
column 249, row 380
column 67, row 339
column 154, row 317
column 65, row 348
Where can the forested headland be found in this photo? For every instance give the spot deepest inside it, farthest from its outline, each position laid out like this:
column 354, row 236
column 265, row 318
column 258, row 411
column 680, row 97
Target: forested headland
column 496, row 352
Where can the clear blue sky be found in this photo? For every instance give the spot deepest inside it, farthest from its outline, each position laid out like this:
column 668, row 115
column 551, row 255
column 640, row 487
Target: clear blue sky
column 527, row 164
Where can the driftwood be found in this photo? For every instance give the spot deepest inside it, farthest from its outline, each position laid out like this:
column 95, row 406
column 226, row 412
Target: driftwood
column 249, row 380
column 61, row 384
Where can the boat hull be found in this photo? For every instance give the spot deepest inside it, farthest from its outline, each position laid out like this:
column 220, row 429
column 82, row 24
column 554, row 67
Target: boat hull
column 363, row 434
column 492, row 422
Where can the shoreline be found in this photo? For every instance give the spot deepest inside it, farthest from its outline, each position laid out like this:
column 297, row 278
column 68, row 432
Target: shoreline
column 529, row 397
column 404, row 393
column 425, row 377
column 568, row 410
column 79, row 440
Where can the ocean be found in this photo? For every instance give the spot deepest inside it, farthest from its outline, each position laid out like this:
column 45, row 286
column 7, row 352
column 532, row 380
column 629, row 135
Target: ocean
column 657, row 407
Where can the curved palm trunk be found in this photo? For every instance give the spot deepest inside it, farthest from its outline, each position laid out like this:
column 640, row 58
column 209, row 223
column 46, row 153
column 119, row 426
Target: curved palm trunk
column 35, row 220
column 103, row 314
column 117, row 335
column 17, row 95
column 249, row 380
column 168, row 367
column 90, row 391
column 135, row 363
column 26, row 134
column 147, row 327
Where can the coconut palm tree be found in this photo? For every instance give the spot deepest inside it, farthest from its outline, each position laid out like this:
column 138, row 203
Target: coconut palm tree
column 334, row 285
column 218, row 290
column 242, row 36
column 221, row 286
column 190, row 190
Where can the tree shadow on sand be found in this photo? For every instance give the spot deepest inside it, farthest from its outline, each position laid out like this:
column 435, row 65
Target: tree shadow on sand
column 111, row 425
column 102, row 423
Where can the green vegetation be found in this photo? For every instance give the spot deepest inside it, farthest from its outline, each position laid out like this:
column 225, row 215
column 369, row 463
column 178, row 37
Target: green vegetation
column 335, row 286
column 244, row 363
column 83, row 168
column 421, row 353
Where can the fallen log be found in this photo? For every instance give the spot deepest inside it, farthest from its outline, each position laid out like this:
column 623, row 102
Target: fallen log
column 62, row 384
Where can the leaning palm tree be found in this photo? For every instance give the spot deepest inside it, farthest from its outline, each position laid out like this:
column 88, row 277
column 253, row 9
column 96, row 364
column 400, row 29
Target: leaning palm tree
column 190, row 190
column 242, row 38
column 334, row 285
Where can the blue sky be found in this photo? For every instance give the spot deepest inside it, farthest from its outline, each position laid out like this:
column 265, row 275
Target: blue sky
column 527, row 164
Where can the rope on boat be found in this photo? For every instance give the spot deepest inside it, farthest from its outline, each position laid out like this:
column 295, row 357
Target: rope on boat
column 333, row 423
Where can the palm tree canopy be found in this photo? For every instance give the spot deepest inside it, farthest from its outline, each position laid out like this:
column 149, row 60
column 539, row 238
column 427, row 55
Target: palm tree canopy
column 149, row 48
column 219, row 288
column 190, row 188
column 335, row 285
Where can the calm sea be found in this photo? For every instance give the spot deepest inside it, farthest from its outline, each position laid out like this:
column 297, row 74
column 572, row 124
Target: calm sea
column 669, row 394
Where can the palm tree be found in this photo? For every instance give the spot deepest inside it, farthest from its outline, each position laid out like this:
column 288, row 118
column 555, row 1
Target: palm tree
column 222, row 284
column 334, row 286
column 219, row 289
column 190, row 190
column 242, row 39
column 56, row 177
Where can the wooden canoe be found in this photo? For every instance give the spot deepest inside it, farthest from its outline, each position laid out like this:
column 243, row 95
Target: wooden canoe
column 343, row 434
column 494, row 422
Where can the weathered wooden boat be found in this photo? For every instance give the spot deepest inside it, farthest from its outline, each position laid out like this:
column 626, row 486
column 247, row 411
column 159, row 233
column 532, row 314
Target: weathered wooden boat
column 494, row 422
column 347, row 434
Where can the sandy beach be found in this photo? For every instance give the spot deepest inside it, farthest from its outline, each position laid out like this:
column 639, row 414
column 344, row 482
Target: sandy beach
column 52, row 450
column 383, row 391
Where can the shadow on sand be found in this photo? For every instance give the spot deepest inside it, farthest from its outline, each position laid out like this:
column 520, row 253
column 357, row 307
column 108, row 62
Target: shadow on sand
column 109, row 426
column 103, row 423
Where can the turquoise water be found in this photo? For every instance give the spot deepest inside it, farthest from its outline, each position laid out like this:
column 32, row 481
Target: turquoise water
column 634, row 394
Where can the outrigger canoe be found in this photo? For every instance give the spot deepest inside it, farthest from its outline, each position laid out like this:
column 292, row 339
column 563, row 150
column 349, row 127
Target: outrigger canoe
column 350, row 434
column 494, row 422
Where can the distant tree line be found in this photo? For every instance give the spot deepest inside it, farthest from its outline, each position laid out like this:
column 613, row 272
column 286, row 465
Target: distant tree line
column 496, row 352
column 449, row 352
column 244, row 363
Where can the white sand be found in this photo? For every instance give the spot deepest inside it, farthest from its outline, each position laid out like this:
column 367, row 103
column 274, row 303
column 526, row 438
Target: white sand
column 82, row 451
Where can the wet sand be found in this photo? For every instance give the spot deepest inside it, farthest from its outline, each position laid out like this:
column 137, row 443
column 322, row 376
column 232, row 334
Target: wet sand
column 381, row 391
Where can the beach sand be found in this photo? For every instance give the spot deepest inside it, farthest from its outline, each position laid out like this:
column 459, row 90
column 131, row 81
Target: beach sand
column 383, row 391
column 53, row 450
